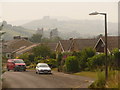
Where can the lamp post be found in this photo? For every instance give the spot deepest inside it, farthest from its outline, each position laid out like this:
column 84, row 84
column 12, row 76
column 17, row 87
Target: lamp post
column 106, row 65
column 1, row 33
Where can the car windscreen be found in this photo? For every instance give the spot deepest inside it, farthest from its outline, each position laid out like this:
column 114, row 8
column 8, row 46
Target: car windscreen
column 43, row 66
column 18, row 61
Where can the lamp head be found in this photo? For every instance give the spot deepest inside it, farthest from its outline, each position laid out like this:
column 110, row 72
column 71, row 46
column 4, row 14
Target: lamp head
column 94, row 13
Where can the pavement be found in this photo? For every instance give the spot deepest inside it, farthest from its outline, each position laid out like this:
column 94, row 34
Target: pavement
column 30, row 79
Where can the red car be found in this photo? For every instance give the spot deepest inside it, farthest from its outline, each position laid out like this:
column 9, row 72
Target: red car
column 16, row 65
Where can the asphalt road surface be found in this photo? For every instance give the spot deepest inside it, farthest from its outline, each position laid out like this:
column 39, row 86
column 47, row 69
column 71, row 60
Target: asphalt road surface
column 30, row 79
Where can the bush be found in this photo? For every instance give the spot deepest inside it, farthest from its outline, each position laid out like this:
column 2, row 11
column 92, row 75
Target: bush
column 84, row 55
column 32, row 65
column 51, row 62
column 115, row 58
column 25, row 57
column 37, row 59
column 111, row 82
column 113, row 79
column 59, row 59
column 72, row 64
column 42, row 50
column 53, row 55
column 100, row 82
column 96, row 61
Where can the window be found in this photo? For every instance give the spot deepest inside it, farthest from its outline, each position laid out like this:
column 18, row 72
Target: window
column 8, row 55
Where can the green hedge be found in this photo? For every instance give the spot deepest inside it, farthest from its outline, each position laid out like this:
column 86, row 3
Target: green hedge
column 72, row 64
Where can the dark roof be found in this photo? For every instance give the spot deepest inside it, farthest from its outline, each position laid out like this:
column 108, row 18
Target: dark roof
column 66, row 44
column 112, row 42
column 52, row 46
column 26, row 49
column 6, row 50
column 15, row 44
column 84, row 43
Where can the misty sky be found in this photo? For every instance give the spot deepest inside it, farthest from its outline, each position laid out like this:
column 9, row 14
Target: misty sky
column 12, row 11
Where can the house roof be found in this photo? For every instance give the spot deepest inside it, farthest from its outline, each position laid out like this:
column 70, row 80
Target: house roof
column 7, row 50
column 112, row 42
column 66, row 44
column 15, row 44
column 20, row 51
column 52, row 46
column 83, row 43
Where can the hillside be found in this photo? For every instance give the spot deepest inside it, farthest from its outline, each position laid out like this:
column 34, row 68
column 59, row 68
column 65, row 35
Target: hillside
column 77, row 28
column 15, row 30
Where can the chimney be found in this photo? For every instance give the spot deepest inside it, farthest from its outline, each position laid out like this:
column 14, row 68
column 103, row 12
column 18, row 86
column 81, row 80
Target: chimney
column 17, row 37
column 71, row 39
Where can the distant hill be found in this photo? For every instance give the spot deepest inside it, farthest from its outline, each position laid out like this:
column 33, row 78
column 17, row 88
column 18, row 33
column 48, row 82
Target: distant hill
column 76, row 28
column 15, row 30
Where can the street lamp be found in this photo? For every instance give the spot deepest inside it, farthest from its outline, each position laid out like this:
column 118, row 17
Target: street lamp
column 1, row 33
column 106, row 65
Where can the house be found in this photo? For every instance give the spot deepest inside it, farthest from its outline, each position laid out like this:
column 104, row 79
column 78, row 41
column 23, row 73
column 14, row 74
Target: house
column 9, row 47
column 64, row 45
column 28, row 49
column 112, row 43
column 74, row 45
column 80, row 44
column 52, row 46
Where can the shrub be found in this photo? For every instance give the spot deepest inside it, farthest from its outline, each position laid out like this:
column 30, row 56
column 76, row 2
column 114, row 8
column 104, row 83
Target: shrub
column 96, row 61
column 84, row 55
column 111, row 82
column 115, row 58
column 53, row 55
column 72, row 64
column 113, row 79
column 42, row 51
column 51, row 62
column 31, row 57
column 25, row 57
column 37, row 59
column 59, row 59
column 100, row 82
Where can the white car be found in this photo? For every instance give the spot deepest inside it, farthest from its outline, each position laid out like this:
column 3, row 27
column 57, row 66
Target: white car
column 43, row 68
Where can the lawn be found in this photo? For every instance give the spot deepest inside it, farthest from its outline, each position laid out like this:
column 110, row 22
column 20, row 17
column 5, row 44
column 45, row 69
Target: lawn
column 87, row 74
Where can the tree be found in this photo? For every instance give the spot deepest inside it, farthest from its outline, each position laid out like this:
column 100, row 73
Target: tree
column 116, row 57
column 100, row 35
column 54, row 39
column 25, row 57
column 96, row 61
column 42, row 51
column 36, row 38
column 59, row 59
column 85, row 54
column 72, row 64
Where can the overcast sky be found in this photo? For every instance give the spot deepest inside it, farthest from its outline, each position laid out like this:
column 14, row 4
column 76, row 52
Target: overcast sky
column 12, row 11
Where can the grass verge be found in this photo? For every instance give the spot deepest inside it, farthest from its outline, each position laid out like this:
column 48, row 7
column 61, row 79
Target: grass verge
column 87, row 74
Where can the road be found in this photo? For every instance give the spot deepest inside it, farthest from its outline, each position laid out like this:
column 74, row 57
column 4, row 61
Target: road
column 30, row 79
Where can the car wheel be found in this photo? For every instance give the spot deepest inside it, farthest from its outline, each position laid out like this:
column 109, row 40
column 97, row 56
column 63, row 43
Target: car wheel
column 8, row 69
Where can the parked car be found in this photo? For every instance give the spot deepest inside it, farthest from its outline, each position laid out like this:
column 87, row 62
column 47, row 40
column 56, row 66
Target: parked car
column 43, row 68
column 16, row 65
